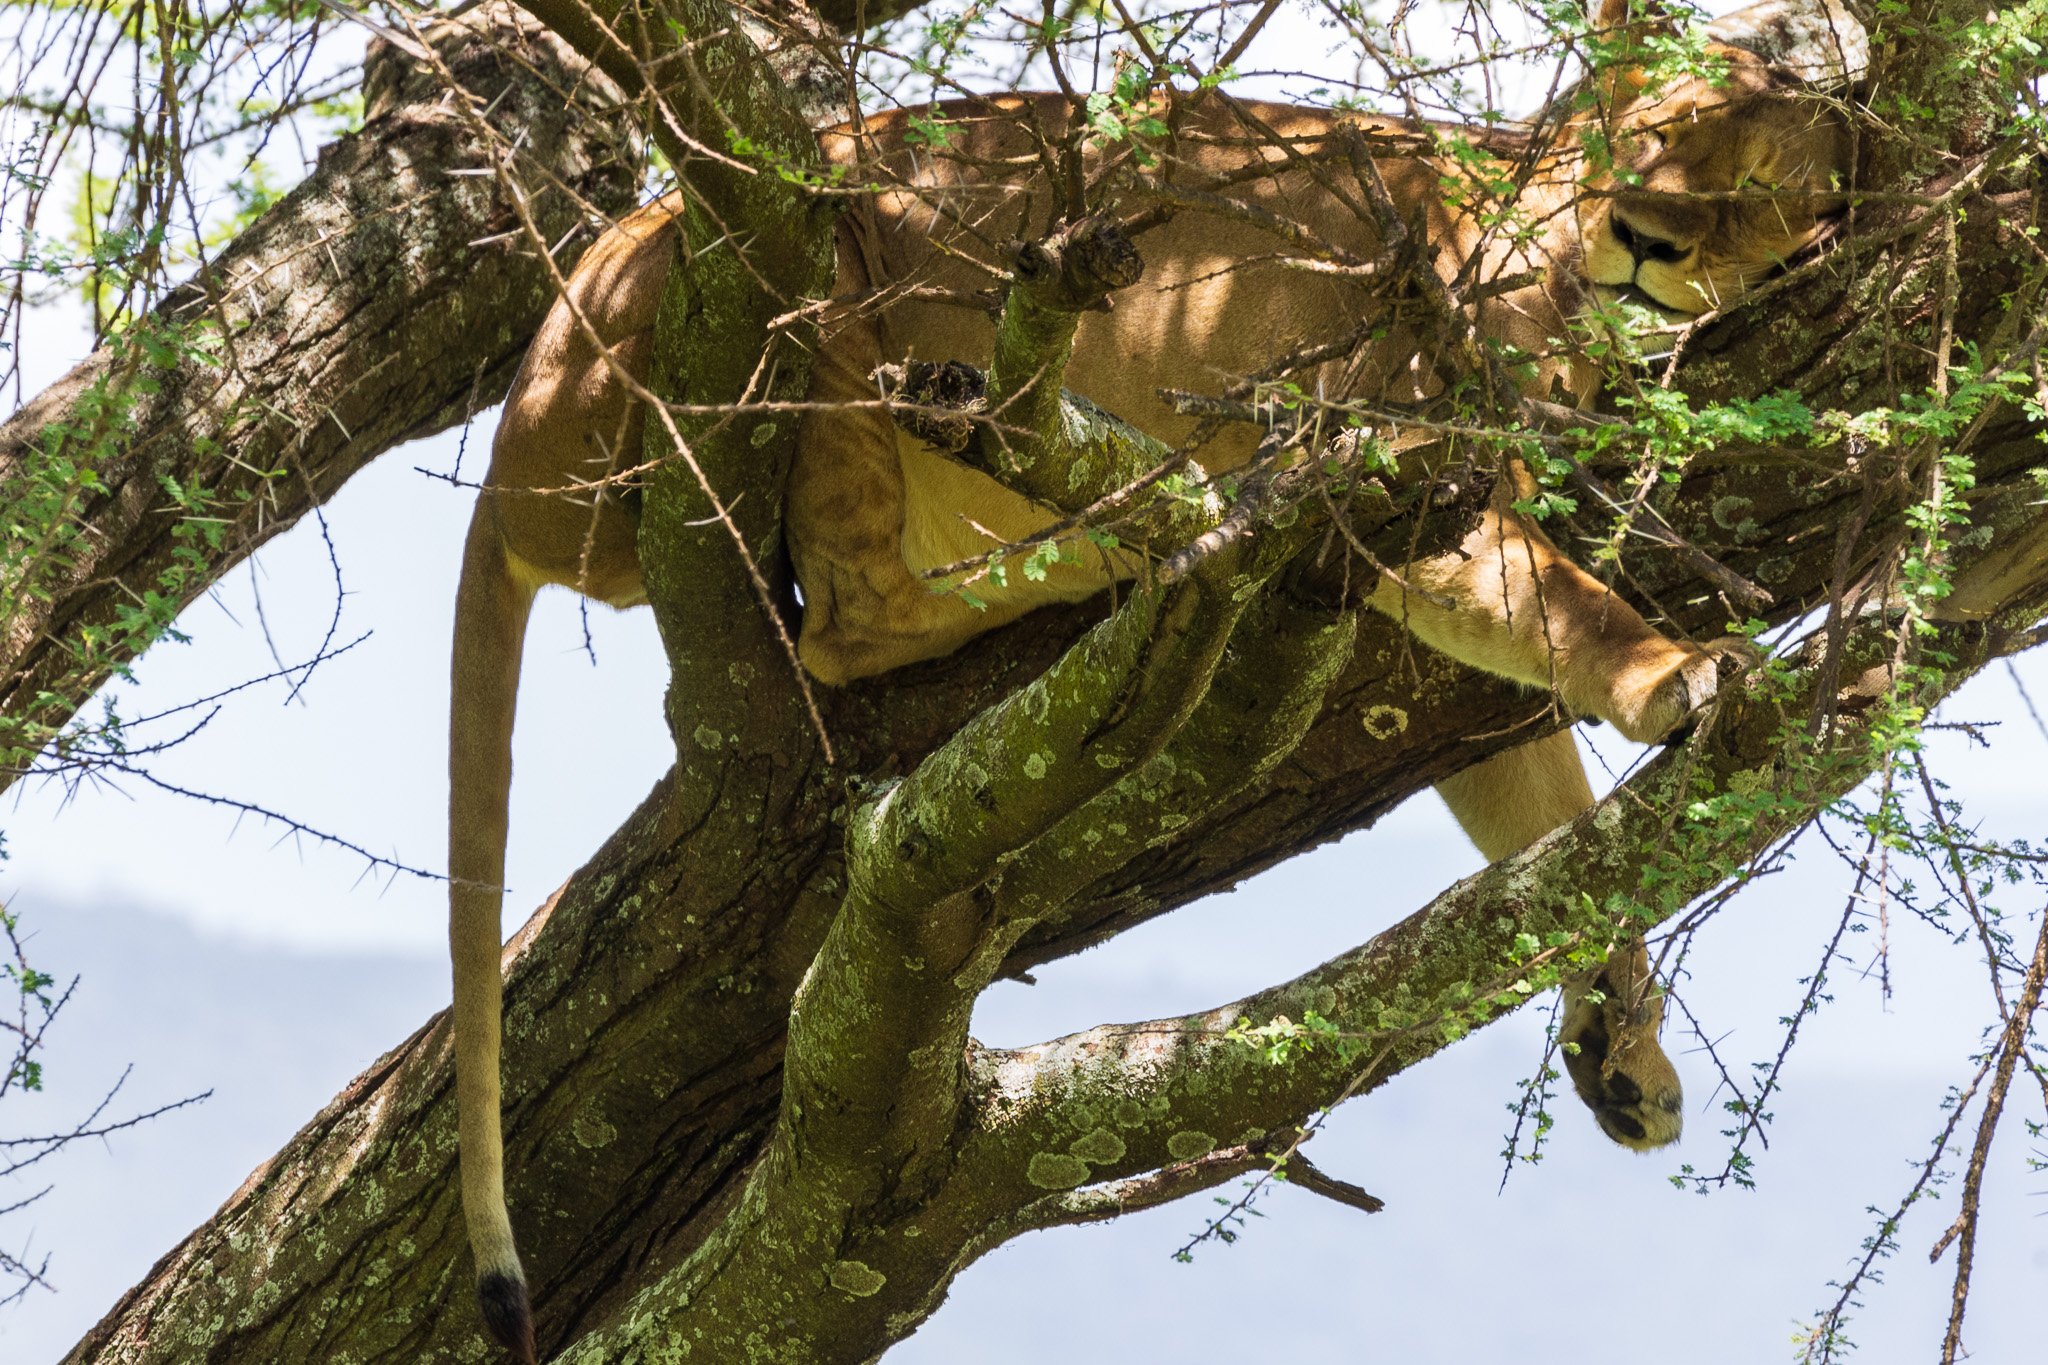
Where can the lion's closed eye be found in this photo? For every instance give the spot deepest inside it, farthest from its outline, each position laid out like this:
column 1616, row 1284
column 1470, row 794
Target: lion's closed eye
column 1761, row 170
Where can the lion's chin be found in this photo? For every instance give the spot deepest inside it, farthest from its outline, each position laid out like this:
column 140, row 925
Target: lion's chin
column 1666, row 314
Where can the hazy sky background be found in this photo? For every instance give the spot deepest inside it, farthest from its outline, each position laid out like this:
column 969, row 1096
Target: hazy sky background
column 213, row 956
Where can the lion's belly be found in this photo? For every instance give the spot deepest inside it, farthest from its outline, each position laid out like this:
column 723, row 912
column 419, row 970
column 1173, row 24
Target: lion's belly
column 952, row 513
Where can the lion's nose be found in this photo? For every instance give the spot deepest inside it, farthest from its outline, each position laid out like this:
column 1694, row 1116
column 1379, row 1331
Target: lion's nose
column 1644, row 246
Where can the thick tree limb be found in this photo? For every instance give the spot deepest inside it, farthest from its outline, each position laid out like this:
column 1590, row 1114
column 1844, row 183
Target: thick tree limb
column 380, row 301
column 647, row 1008
column 873, row 1073
column 873, row 1078
column 1119, row 1102
column 1410, row 991
column 664, row 52
column 754, row 246
column 1269, row 690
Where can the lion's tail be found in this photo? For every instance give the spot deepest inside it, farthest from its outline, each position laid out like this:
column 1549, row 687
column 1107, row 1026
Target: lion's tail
column 491, row 609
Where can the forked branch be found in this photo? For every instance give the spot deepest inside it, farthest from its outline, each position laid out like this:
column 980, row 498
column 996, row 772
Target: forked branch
column 1120, row 1101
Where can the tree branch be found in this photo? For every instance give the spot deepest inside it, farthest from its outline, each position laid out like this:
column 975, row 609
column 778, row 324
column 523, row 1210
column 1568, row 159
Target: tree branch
column 1126, row 1103
column 877, row 1031
column 1269, row 690
column 364, row 309
column 726, row 334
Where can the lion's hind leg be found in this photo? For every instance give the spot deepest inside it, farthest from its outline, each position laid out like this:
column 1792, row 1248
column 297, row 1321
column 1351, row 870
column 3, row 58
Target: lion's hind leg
column 1507, row 802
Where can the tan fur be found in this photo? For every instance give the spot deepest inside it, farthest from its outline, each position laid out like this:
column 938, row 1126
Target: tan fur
column 869, row 508
column 1773, row 166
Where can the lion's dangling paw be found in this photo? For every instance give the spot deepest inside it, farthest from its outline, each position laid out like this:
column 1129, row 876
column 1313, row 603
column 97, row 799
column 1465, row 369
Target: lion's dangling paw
column 1613, row 1057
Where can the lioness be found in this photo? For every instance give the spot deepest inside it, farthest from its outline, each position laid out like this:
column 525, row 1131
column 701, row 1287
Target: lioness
column 870, row 508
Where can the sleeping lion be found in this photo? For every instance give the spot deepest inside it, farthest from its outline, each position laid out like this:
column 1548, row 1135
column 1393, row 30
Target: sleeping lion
column 1710, row 188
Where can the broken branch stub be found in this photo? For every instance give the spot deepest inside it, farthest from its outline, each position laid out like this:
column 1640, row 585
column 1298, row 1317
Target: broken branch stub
column 1076, row 267
column 1111, row 470
column 1072, row 270
column 936, row 401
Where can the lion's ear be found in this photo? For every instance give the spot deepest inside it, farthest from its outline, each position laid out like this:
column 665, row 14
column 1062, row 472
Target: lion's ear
column 1641, row 17
column 1626, row 24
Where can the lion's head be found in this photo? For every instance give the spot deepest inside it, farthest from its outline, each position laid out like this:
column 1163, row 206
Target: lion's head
column 1713, row 184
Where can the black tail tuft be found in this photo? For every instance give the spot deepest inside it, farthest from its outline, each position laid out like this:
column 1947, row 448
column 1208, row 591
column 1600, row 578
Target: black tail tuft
column 507, row 1315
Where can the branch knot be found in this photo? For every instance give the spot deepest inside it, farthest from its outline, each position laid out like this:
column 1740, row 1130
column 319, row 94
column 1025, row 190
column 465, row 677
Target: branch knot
column 1078, row 265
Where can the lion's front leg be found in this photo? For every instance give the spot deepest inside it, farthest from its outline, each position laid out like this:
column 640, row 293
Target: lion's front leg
column 1612, row 1012
column 1520, row 609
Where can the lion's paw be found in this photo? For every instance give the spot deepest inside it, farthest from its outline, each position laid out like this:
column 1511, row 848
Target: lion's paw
column 1666, row 710
column 1616, row 1065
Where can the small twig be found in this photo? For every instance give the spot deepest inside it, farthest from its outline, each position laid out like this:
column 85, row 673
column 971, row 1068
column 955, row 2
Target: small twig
column 1236, row 524
column 1113, row 1199
column 1824, row 1334
column 2026, row 698
column 1963, row 1232
column 1299, row 1170
column 292, row 828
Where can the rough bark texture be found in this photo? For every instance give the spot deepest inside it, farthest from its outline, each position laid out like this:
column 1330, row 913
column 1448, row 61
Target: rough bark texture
column 737, row 1077
column 365, row 309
